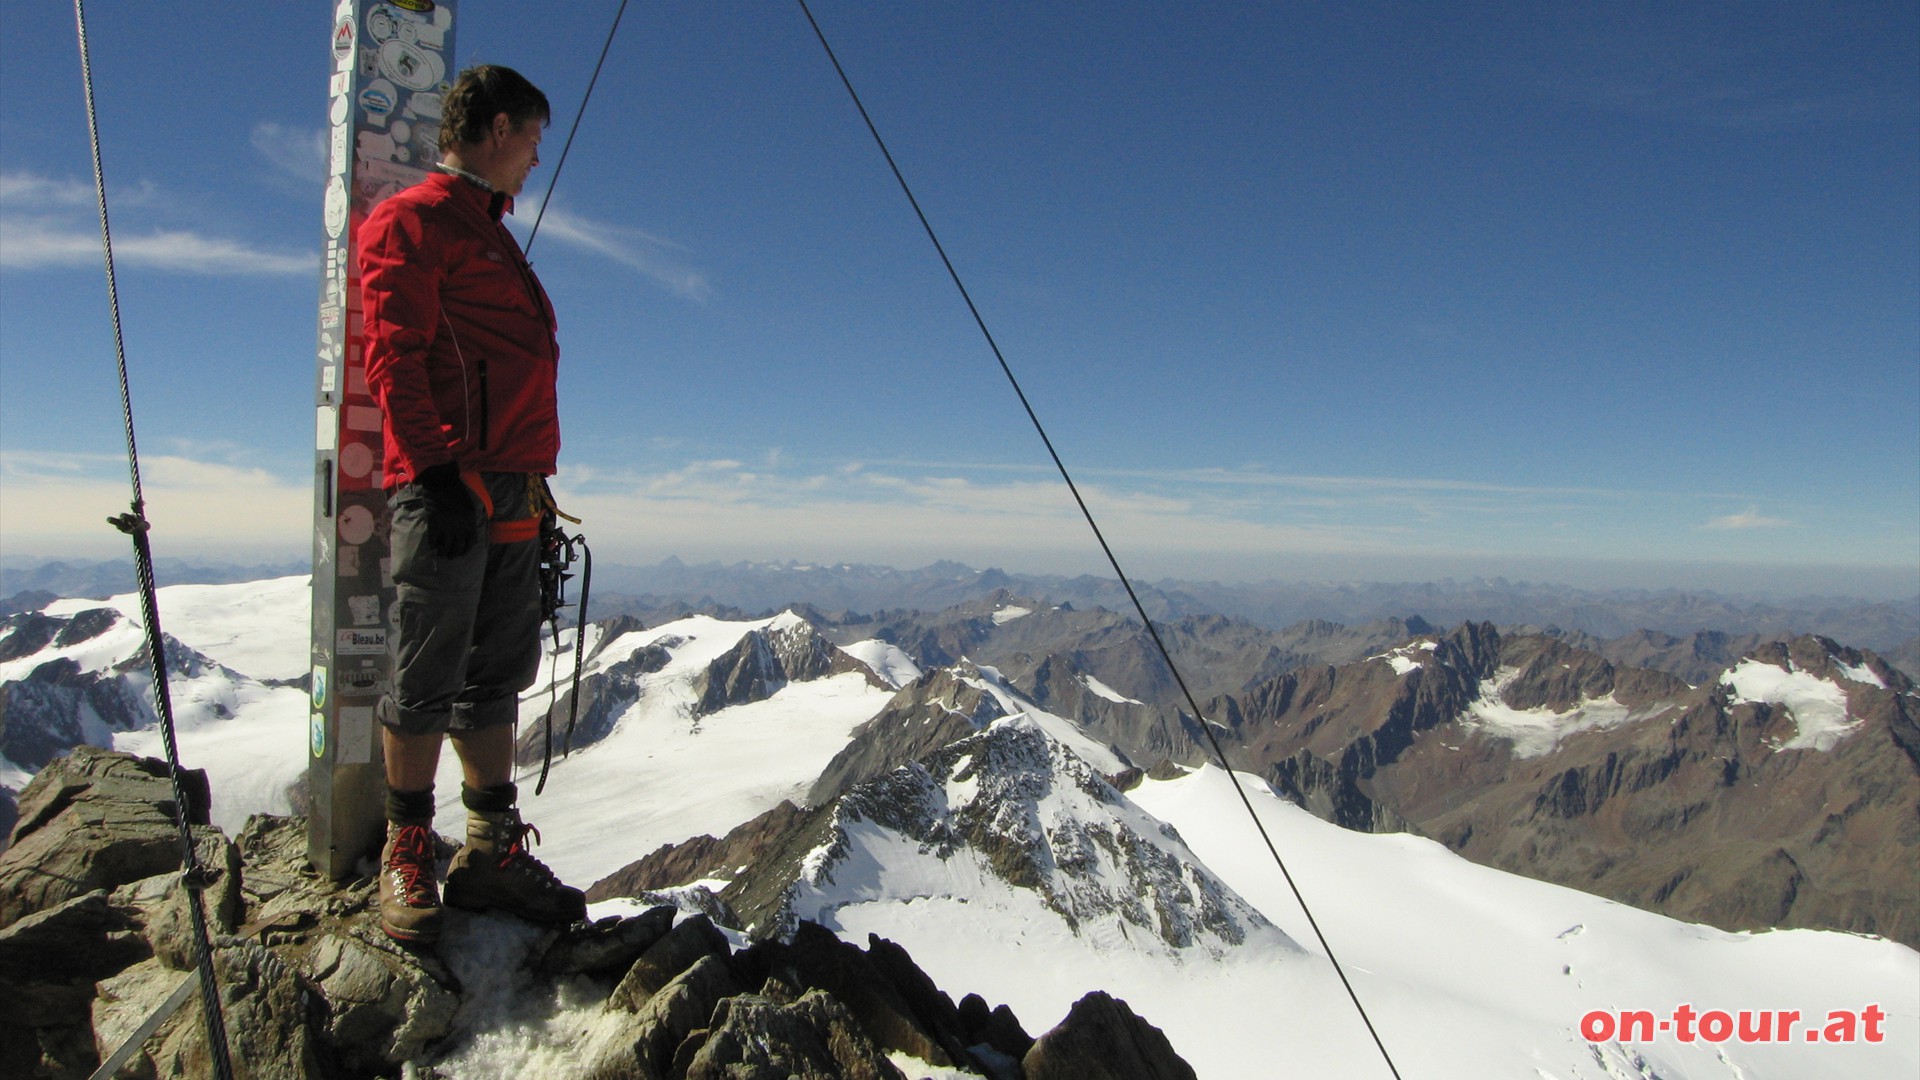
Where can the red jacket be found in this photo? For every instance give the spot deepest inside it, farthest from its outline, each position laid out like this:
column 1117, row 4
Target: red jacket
column 459, row 335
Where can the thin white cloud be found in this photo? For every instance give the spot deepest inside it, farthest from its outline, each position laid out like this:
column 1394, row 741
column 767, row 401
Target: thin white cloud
column 655, row 258
column 37, row 244
column 47, row 223
column 1750, row 518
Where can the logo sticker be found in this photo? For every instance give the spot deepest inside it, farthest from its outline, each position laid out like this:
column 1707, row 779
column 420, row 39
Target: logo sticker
column 343, row 38
column 379, row 99
column 361, row 642
column 319, row 689
column 412, row 5
column 317, row 734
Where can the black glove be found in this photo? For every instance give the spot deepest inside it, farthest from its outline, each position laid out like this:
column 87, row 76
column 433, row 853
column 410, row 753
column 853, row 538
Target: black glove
column 453, row 518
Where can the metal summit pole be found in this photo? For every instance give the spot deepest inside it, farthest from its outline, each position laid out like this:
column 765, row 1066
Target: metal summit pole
column 391, row 60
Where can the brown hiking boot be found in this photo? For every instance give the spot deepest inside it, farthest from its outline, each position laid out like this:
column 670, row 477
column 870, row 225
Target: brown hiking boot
column 495, row 870
column 409, row 899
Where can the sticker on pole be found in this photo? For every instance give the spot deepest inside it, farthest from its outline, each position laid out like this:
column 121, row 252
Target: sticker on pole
column 336, row 206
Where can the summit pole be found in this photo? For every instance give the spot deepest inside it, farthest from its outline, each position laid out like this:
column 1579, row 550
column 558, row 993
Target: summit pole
column 390, row 62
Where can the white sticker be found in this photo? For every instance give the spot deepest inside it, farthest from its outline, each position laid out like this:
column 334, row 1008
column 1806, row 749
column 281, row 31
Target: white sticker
column 364, row 609
column 409, row 65
column 378, row 101
column 361, row 642
column 328, row 434
column 356, row 735
column 336, row 206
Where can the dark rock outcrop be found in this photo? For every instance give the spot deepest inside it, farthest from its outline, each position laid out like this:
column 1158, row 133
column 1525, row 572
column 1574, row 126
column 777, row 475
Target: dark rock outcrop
column 1102, row 1039
column 814, row 1038
column 939, row 708
column 765, row 660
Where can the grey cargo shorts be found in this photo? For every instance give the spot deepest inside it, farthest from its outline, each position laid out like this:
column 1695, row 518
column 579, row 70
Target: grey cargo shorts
column 466, row 631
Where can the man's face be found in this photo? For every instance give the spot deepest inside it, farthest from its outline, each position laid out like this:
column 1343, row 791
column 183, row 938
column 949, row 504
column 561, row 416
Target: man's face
column 519, row 152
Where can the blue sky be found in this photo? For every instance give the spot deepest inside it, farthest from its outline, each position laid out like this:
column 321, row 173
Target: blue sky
column 1621, row 294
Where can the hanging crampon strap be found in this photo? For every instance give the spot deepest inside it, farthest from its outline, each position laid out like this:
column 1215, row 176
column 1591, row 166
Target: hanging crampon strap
column 558, row 553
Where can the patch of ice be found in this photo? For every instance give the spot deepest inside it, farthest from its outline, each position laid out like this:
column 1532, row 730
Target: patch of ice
column 1108, row 692
column 1536, row 732
column 1007, row 614
column 1403, row 660
column 1862, row 674
column 1818, row 706
column 893, row 666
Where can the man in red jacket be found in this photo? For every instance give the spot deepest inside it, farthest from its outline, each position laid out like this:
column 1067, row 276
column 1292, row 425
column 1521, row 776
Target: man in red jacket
column 462, row 357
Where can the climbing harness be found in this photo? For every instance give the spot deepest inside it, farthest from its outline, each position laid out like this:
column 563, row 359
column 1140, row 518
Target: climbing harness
column 193, row 878
column 1199, row 716
column 558, row 553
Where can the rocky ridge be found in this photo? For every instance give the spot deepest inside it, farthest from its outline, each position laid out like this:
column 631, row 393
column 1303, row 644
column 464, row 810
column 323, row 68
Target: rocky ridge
column 1528, row 754
column 1005, row 809
column 319, row 992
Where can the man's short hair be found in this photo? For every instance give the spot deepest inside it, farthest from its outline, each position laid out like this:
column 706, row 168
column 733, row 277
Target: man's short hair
column 481, row 93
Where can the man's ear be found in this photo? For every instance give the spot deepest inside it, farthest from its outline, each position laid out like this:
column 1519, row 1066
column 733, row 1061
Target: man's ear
column 502, row 125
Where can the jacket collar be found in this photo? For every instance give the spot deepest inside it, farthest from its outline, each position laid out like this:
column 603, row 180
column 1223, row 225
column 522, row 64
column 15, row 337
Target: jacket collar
column 477, row 190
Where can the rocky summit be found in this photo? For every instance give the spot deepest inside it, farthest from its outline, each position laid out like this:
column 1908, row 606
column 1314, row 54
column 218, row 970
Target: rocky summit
column 94, row 944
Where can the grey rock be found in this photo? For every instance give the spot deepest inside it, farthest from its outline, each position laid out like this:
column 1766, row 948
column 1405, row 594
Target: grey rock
column 94, row 819
column 606, row 949
column 263, row 1007
column 662, row 1025
column 680, row 949
column 385, row 1006
column 815, row 1038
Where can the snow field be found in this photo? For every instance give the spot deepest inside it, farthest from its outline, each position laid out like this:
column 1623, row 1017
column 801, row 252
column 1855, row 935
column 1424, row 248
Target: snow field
column 1472, row 972
column 1819, row 706
column 664, row 776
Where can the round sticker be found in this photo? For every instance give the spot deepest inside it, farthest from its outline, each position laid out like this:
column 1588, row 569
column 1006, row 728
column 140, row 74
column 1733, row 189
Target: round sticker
column 317, row 734
column 356, row 459
column 356, row 525
column 336, row 206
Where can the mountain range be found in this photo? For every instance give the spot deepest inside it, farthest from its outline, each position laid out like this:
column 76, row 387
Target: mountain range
column 670, row 587
column 1008, row 791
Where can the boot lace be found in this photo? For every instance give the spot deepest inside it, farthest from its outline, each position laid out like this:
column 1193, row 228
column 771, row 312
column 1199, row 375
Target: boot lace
column 411, row 860
column 514, row 853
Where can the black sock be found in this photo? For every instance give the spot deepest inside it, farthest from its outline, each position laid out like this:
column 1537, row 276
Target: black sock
column 409, row 807
column 497, row 799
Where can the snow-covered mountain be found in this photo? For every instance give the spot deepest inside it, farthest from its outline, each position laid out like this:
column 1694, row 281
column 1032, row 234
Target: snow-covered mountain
column 1007, row 862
